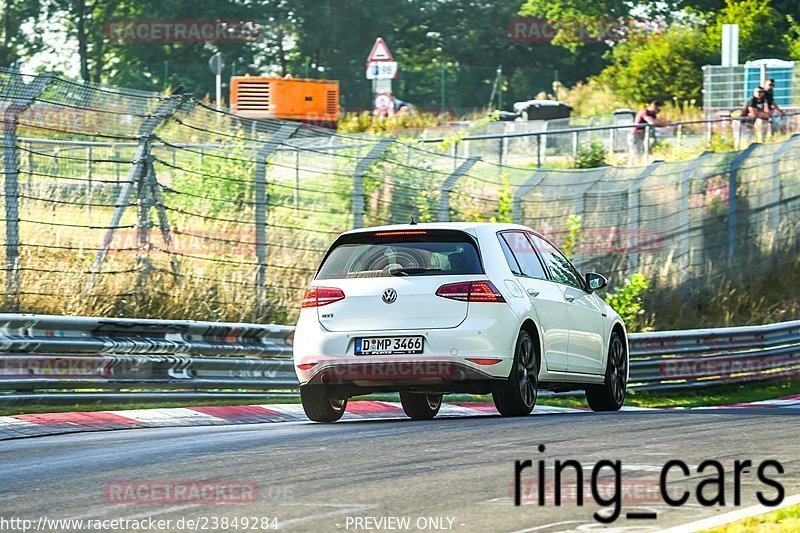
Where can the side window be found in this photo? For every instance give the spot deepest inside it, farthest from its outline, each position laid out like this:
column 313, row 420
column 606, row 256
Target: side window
column 512, row 263
column 560, row 268
column 519, row 246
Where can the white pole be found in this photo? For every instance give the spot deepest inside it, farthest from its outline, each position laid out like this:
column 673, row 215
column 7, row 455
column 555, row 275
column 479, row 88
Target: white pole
column 219, row 91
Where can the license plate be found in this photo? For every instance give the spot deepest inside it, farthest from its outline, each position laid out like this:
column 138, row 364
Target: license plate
column 388, row 345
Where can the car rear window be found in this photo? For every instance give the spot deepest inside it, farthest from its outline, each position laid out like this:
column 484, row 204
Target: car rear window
column 401, row 253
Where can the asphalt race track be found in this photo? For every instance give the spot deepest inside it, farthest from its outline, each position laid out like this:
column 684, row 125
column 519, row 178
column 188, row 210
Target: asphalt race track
column 454, row 473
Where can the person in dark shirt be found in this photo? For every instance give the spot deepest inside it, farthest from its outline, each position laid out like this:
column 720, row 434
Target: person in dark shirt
column 648, row 115
column 769, row 97
column 778, row 122
column 757, row 112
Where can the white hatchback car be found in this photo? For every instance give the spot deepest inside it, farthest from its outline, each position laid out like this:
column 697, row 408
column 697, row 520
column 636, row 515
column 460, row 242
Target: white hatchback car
column 428, row 309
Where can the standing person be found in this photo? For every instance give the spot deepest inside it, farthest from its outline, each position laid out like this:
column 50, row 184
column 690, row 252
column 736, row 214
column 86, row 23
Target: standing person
column 756, row 113
column 648, row 115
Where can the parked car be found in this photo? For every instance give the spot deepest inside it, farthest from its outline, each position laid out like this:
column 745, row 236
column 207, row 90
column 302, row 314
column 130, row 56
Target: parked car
column 429, row 309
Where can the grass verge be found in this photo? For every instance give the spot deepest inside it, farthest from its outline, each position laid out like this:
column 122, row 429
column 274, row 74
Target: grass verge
column 717, row 395
column 100, row 406
column 720, row 395
column 782, row 520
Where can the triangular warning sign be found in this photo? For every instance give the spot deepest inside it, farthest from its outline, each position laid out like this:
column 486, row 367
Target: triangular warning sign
column 380, row 52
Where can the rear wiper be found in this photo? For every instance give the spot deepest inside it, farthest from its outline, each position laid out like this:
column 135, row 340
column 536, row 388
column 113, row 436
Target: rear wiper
column 407, row 271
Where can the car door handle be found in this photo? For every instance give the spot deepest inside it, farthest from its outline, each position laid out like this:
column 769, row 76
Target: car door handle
column 533, row 292
column 569, row 298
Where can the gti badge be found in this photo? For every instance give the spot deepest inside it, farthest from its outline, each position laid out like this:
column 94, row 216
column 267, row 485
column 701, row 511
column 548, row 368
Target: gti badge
column 389, row 296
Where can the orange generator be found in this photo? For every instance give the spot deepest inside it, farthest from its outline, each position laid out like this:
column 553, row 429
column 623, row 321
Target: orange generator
column 309, row 101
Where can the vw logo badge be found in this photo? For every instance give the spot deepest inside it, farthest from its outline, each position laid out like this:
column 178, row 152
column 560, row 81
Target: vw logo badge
column 389, row 296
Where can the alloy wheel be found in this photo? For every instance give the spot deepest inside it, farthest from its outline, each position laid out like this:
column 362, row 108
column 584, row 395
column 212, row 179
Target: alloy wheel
column 527, row 371
column 619, row 370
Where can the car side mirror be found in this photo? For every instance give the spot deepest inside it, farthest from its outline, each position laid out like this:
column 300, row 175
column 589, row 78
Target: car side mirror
column 595, row 281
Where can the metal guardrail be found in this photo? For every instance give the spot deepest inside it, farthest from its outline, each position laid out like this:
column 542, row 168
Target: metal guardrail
column 586, row 129
column 702, row 357
column 55, row 352
column 567, row 142
column 84, row 355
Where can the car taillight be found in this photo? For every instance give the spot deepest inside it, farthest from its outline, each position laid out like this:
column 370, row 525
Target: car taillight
column 319, row 296
column 471, row 291
column 484, row 360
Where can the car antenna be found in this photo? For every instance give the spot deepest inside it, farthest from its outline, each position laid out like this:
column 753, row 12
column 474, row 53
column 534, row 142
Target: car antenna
column 413, row 222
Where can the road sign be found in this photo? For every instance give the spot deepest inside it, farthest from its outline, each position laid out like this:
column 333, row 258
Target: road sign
column 216, row 64
column 381, row 86
column 383, row 102
column 380, row 52
column 381, row 70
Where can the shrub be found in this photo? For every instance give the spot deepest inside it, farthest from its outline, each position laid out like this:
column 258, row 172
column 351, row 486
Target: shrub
column 591, row 156
column 627, row 301
column 573, row 236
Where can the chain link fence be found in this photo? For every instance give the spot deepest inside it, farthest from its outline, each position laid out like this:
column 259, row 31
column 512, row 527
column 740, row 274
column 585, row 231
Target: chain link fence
column 128, row 203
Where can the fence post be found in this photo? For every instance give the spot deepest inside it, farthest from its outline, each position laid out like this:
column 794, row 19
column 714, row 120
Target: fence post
column 144, row 201
column 522, row 191
column 776, row 194
column 89, row 158
column 163, row 222
column 136, row 176
column 538, row 151
column 358, row 179
column 449, row 183
column 297, row 180
column 21, row 98
column 635, row 215
column 117, row 157
column 612, row 140
column 580, row 210
column 575, row 148
column 733, row 207
column 260, row 198
column 684, row 215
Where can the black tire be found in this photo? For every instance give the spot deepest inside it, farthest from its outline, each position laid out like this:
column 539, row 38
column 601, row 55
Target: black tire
column 420, row 406
column 320, row 405
column 517, row 395
column 611, row 395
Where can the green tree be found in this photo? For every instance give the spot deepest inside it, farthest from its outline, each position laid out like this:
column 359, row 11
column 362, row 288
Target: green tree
column 565, row 13
column 16, row 44
column 662, row 67
column 760, row 24
column 468, row 38
column 668, row 65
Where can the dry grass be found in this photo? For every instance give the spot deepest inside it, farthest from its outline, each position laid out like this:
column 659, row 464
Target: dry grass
column 762, row 292
column 215, row 281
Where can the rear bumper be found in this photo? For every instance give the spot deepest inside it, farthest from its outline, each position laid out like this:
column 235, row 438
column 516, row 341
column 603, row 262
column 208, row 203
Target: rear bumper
column 448, row 356
column 373, row 374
